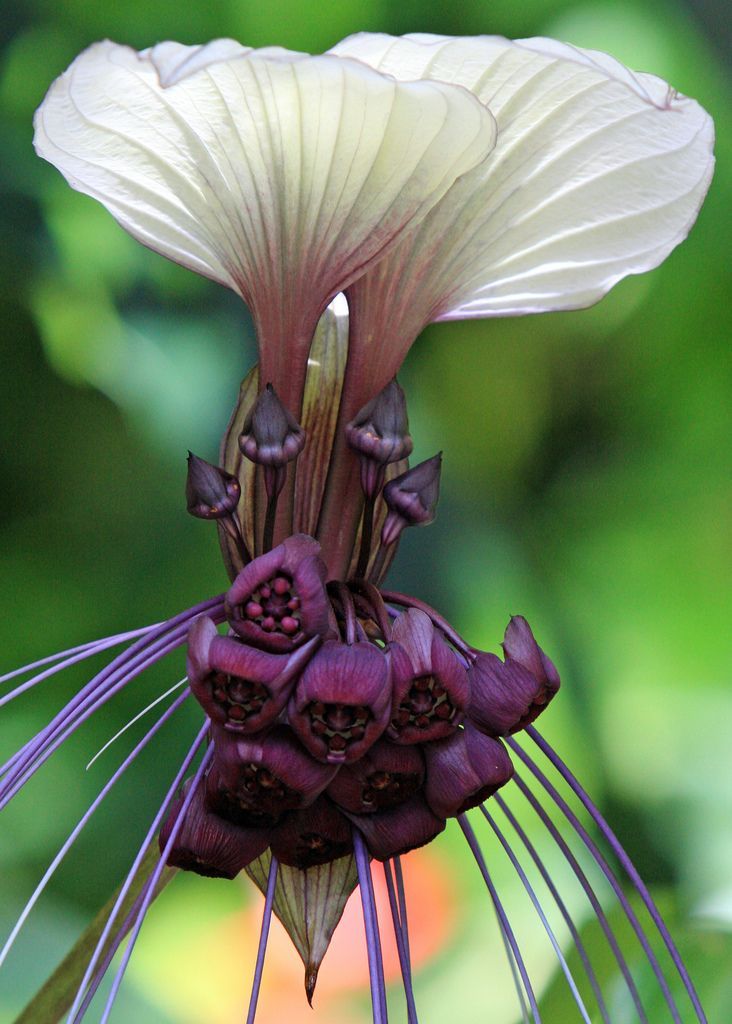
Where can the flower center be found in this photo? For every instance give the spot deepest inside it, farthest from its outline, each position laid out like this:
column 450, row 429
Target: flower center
column 275, row 607
column 338, row 724
column 240, row 698
column 426, row 701
column 387, row 789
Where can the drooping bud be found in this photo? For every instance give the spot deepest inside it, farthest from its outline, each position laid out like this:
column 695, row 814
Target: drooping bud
column 316, row 835
column 278, row 601
column 384, row 777
column 341, row 702
column 412, row 498
column 254, row 780
column 380, row 435
column 270, row 435
column 508, row 696
column 238, row 686
column 211, row 492
column 208, row 844
column 463, row 770
column 431, row 690
column 400, row 829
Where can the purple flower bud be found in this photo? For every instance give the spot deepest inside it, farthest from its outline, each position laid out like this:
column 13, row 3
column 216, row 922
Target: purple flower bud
column 380, row 435
column 385, row 776
column 430, row 686
column 316, row 835
column 400, row 829
column 463, row 770
column 508, row 696
column 238, row 686
column 278, row 601
column 270, row 435
column 254, row 780
column 412, row 498
column 341, row 702
column 206, row 843
column 211, row 492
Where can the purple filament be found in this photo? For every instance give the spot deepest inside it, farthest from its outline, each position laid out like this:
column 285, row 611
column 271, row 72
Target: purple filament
column 589, row 892
column 397, row 862
column 628, row 867
column 399, row 934
column 74, row 834
column 152, row 831
column 152, row 882
column 539, row 910
column 371, row 926
column 505, row 926
column 263, row 936
column 606, row 870
column 576, row 938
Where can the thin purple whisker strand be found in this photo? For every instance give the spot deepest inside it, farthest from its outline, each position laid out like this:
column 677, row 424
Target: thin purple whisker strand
column 70, row 657
column 149, row 888
column 627, row 865
column 542, row 916
column 76, row 831
column 35, row 753
column 606, row 870
column 397, row 862
column 263, row 936
column 151, row 833
column 543, row 871
column 508, row 931
column 399, row 932
column 371, row 925
column 589, row 892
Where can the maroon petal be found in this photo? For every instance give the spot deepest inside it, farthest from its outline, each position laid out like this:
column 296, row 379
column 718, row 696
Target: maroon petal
column 341, row 702
column 278, row 601
column 387, row 775
column 519, row 645
column 431, row 688
column 254, row 780
column 399, row 830
column 207, row 844
column 316, row 835
column 464, row 770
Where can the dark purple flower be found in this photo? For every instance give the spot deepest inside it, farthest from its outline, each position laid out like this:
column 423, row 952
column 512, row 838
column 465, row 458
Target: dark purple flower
column 508, row 695
column 316, row 835
column 386, row 775
column 341, row 702
column 239, row 686
column 254, row 780
column 430, row 685
column 208, row 844
column 278, row 601
column 463, row 770
column 400, row 829
column 211, row 492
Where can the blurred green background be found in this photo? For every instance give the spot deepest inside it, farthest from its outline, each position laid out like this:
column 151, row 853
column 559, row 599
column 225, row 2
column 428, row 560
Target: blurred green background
column 586, row 485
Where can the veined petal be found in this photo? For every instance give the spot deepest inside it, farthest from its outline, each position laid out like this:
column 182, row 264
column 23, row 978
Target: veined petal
column 598, row 172
column 277, row 174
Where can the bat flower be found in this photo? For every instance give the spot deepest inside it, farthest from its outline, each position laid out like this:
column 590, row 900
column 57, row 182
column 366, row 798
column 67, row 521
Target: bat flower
column 350, row 199
column 239, row 686
column 506, row 696
column 278, row 601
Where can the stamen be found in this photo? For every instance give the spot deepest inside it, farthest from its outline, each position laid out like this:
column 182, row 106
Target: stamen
column 371, row 925
column 574, row 932
column 73, row 1017
column 628, row 867
column 400, row 929
column 609, row 874
column 74, row 834
column 506, row 927
column 263, row 936
column 542, row 916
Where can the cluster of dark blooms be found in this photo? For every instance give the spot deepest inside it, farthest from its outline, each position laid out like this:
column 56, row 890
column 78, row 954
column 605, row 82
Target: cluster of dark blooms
column 335, row 704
